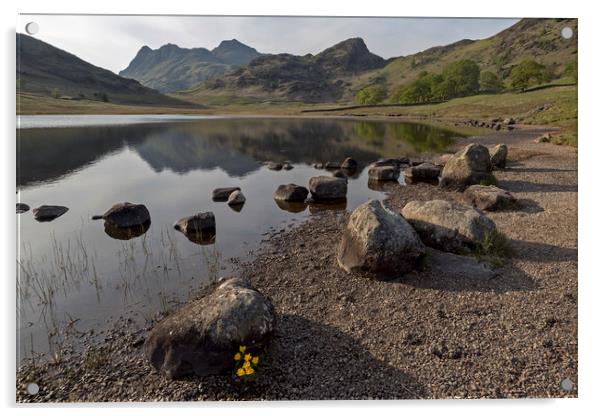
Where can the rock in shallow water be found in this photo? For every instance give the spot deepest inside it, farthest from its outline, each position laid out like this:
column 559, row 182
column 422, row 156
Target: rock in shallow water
column 21, row 208
column 203, row 337
column 236, row 198
column 488, row 198
column 222, row 194
column 202, row 222
column 448, row 226
column 46, row 213
column 378, row 241
column 324, row 188
column 383, row 173
column 126, row 214
column 291, row 193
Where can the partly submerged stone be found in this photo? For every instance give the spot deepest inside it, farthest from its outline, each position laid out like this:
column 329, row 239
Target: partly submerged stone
column 378, row 241
column 126, row 233
column 326, row 188
column 222, row 194
column 126, row 214
column 203, row 337
column 45, row 213
column 383, row 173
column 448, row 226
column 291, row 192
column 21, row 208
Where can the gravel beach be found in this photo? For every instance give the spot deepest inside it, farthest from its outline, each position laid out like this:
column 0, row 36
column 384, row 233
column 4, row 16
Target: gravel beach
column 429, row 334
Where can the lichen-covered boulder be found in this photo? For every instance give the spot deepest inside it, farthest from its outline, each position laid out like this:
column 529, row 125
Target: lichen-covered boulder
column 469, row 166
column 448, row 226
column 21, row 208
column 499, row 153
column 236, row 198
column 126, row 214
column 378, row 241
column 488, row 198
column 202, row 337
column 325, row 188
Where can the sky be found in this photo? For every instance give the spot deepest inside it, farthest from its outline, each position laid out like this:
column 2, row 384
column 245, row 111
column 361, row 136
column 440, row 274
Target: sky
column 111, row 42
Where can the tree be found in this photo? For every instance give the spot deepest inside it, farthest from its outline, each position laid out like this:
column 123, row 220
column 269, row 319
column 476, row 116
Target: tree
column 371, row 95
column 490, row 82
column 526, row 74
column 461, row 78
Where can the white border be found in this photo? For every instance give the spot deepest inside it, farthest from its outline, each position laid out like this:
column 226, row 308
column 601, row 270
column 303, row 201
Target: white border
column 590, row 150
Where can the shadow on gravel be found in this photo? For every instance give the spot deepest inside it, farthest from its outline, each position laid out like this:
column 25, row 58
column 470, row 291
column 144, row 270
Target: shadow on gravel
column 541, row 252
column 527, row 205
column 309, row 360
column 524, row 186
column 542, row 170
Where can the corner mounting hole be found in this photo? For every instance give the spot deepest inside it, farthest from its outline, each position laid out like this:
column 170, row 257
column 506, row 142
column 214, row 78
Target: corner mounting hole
column 32, row 28
column 33, row 389
column 566, row 32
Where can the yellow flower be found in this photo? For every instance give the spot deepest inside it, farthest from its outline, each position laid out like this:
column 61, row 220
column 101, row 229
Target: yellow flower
column 240, row 372
column 242, row 348
column 237, row 356
column 249, row 371
column 247, row 357
column 246, row 364
column 255, row 360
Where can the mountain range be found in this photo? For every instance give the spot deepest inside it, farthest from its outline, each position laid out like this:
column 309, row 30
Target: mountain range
column 45, row 70
column 171, row 68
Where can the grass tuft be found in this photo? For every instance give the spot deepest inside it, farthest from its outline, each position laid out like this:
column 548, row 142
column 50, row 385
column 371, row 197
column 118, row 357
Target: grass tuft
column 489, row 180
column 494, row 248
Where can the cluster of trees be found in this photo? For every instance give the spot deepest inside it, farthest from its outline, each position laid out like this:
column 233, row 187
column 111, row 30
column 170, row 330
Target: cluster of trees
column 461, row 79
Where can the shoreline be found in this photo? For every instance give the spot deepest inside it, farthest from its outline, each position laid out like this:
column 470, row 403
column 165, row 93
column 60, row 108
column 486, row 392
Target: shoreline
column 425, row 335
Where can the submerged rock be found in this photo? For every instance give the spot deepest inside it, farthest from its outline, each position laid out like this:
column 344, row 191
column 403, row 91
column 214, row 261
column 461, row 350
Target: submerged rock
column 291, row 193
column 45, row 213
column 544, row 138
column 203, row 337
column 332, row 165
column 383, row 173
column 126, row 233
column 222, row 194
column 488, row 198
column 499, row 153
column 350, row 164
column 448, row 226
column 126, row 214
column 274, row 166
column 326, row 188
column 424, row 172
column 236, row 198
column 21, row 208
column 378, row 241
column 469, row 166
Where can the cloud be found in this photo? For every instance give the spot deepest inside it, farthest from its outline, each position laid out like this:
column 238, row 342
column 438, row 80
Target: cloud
column 112, row 41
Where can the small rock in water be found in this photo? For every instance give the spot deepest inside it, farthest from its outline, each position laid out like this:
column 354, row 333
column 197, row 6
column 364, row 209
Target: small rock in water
column 274, row 166
column 349, row 163
column 236, row 198
column 384, row 173
column 287, row 166
column 46, row 213
column 198, row 223
column 126, row 214
column 21, row 208
column 339, row 173
column 291, row 192
column 327, row 188
column 222, row 194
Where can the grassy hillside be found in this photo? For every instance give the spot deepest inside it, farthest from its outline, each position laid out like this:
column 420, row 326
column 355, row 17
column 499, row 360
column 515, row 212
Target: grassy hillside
column 47, row 71
column 537, row 39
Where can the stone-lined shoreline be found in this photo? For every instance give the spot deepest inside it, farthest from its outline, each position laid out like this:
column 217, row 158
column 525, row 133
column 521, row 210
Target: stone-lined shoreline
column 426, row 335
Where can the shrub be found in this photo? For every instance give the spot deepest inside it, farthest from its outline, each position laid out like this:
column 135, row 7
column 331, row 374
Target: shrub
column 494, row 248
column 371, row 95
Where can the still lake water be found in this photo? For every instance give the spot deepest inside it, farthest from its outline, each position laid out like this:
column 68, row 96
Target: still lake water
column 73, row 275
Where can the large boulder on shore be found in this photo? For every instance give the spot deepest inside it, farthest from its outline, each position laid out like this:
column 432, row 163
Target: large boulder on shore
column 379, row 242
column 203, row 337
column 488, row 198
column 126, row 214
column 45, row 213
column 383, row 173
column 21, row 208
column 349, row 164
column 448, row 226
column 325, row 188
column 469, row 166
column 499, row 153
column 291, row 193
